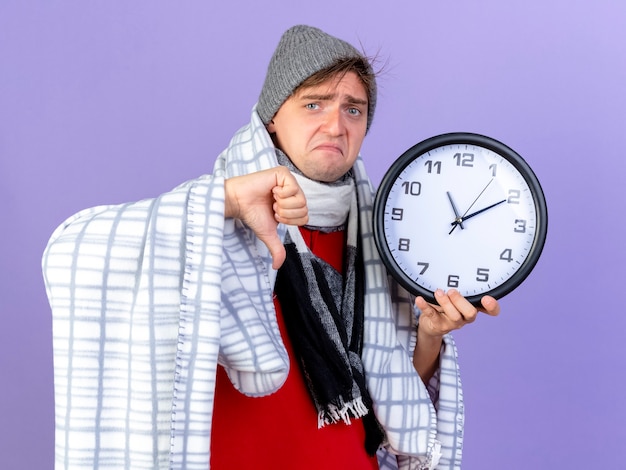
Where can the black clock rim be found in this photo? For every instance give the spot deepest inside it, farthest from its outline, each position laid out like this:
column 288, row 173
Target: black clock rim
column 468, row 138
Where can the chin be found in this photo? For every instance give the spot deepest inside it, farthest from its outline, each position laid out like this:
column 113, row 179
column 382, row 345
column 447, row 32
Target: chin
column 331, row 178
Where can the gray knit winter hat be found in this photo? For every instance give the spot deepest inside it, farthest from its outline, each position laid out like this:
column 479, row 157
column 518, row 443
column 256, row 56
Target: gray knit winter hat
column 301, row 52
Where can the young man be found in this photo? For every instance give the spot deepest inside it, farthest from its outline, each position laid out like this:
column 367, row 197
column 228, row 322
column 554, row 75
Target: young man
column 321, row 361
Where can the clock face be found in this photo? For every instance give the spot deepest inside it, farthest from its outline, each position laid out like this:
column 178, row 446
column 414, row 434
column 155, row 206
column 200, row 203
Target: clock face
column 460, row 211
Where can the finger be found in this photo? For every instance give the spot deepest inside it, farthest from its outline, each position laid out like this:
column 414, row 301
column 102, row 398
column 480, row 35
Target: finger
column 449, row 309
column 295, row 201
column 295, row 205
column 291, row 210
column 292, row 220
column 490, row 305
column 297, row 216
column 287, row 191
column 465, row 308
column 286, row 184
column 431, row 321
column 455, row 306
column 421, row 303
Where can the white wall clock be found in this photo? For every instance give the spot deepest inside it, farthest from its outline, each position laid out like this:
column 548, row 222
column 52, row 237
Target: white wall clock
column 461, row 211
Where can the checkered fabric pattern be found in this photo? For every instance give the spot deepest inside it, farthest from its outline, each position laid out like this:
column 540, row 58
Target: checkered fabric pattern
column 148, row 297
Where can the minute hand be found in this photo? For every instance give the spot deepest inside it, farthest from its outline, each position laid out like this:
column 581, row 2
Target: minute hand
column 460, row 220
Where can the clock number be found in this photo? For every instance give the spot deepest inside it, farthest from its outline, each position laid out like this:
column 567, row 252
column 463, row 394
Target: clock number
column 433, row 165
column 482, row 274
column 453, row 280
column 403, row 244
column 514, row 196
column 507, row 255
column 424, row 267
column 464, row 159
column 397, row 213
column 520, row 226
column 414, row 188
column 494, row 169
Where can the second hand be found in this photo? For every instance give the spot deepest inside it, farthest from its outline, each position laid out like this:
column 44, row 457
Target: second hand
column 472, row 204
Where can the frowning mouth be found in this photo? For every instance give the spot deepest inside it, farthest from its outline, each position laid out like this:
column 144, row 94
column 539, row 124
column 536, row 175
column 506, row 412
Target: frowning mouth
column 330, row 147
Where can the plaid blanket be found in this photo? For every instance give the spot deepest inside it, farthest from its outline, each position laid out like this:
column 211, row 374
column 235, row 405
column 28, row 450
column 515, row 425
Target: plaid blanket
column 148, row 297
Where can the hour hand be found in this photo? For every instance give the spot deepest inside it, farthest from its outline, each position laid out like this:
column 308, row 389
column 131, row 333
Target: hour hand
column 457, row 217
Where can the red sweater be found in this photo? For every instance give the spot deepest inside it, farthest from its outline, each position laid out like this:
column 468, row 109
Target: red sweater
column 280, row 431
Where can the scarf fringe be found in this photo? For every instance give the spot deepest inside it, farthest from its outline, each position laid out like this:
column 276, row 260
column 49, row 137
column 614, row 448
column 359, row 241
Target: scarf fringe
column 347, row 410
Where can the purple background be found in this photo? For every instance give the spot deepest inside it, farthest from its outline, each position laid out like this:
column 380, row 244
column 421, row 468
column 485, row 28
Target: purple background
column 111, row 101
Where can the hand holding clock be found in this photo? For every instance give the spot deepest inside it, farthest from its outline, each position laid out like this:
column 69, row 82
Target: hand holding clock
column 453, row 312
column 488, row 263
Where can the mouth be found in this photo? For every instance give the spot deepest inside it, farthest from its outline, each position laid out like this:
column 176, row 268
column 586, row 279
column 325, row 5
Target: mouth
column 330, row 147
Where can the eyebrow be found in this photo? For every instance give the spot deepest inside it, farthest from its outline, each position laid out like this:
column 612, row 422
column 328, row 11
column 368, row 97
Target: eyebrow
column 319, row 97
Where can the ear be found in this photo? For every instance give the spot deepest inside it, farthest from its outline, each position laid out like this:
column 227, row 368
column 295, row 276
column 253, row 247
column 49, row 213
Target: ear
column 271, row 128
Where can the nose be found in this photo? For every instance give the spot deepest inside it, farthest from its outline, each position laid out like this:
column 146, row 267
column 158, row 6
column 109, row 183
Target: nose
column 333, row 122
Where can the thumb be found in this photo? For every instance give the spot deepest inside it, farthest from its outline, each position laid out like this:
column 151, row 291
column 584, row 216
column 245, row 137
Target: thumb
column 276, row 248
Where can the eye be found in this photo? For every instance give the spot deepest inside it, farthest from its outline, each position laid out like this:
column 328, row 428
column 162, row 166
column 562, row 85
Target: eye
column 354, row 111
column 312, row 106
